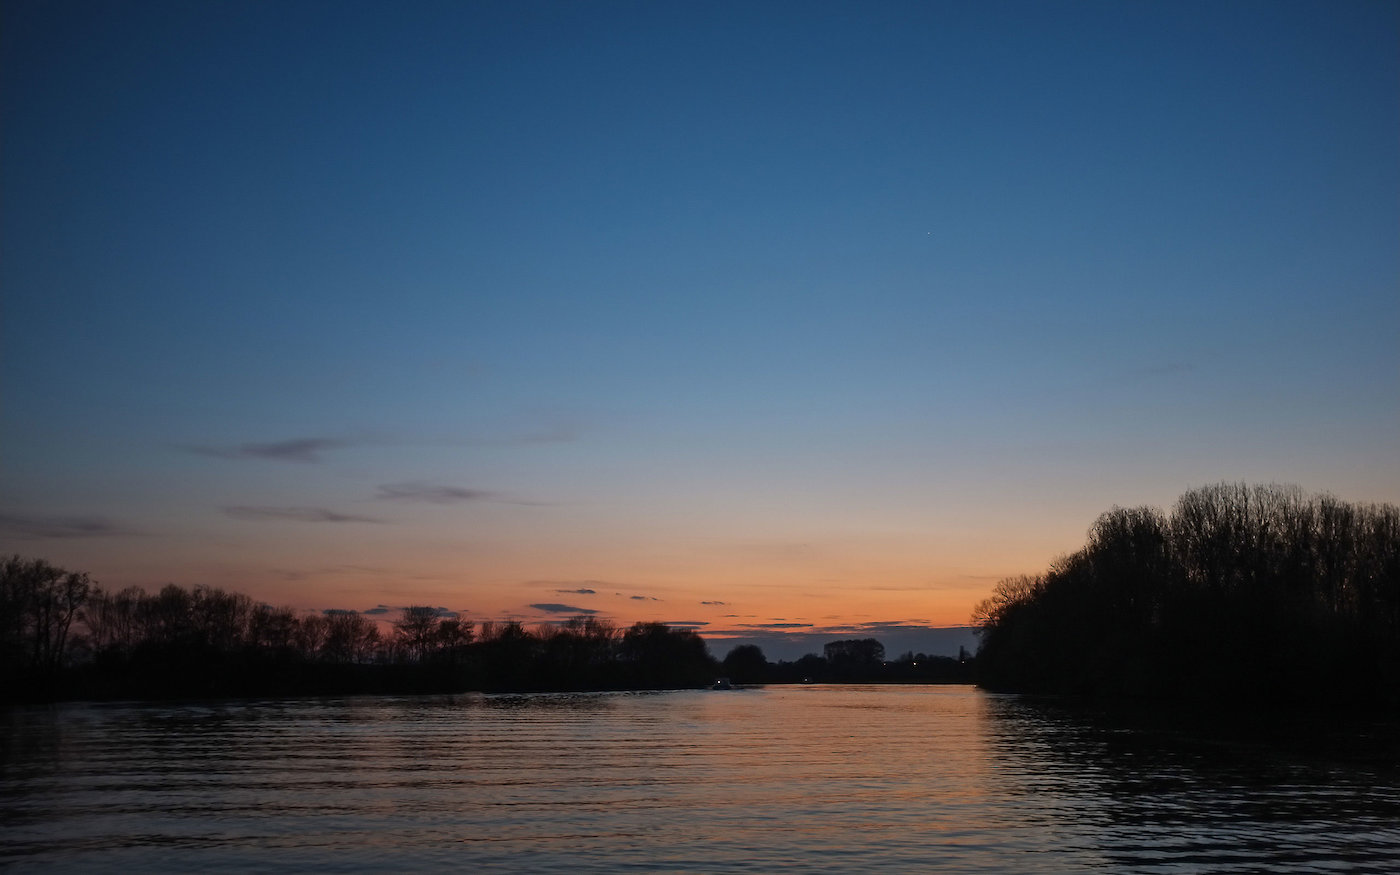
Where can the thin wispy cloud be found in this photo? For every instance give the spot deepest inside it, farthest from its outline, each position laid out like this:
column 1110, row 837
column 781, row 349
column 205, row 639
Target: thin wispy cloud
column 295, row 514
column 644, row 598
column 311, row 450
column 556, row 608
column 439, row 611
column 439, row 493
column 886, row 627
column 432, row 493
column 304, row 450
column 40, row 527
column 384, row 610
column 580, row 587
column 714, row 603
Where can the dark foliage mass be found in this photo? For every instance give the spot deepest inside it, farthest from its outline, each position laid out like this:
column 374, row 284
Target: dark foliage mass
column 63, row 637
column 855, row 661
column 1242, row 593
column 38, row 604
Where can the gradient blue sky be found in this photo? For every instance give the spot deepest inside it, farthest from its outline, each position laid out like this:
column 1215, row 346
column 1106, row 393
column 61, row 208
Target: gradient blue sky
column 761, row 316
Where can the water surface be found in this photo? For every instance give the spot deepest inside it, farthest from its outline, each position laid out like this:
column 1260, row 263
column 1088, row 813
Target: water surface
column 809, row 779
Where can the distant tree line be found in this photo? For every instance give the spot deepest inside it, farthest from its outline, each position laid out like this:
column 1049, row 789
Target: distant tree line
column 64, row 637
column 1241, row 593
column 850, row 661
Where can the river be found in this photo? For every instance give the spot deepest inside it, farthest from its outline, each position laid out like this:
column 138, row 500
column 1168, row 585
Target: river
column 800, row 779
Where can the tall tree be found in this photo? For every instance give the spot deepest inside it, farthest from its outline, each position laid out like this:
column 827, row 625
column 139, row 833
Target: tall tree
column 417, row 630
column 38, row 603
column 746, row 664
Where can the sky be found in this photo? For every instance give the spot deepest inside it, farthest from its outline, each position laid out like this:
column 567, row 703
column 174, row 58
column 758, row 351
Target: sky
column 810, row 319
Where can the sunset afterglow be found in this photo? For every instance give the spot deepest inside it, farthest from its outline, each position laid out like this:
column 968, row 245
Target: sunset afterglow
column 772, row 319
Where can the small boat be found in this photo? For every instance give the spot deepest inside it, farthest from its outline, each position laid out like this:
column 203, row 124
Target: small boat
column 721, row 684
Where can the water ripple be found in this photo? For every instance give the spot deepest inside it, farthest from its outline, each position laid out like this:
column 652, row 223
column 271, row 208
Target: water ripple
column 810, row 779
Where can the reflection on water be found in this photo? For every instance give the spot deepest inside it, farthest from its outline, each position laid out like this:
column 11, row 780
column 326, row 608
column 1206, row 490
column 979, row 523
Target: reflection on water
column 806, row 779
column 1183, row 793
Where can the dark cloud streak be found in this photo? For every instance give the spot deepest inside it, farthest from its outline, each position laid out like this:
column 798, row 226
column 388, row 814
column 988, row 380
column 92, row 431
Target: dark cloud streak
column 431, row 493
column 295, row 514
column 62, row 527
column 556, row 608
column 303, row 450
column 582, row 587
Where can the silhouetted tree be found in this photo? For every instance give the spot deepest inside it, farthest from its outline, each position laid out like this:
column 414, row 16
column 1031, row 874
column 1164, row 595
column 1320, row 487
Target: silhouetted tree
column 811, row 667
column 312, row 631
column 854, row 659
column 219, row 620
column 578, row 653
column 351, row 637
column 925, row 669
column 507, row 653
column 1259, row 592
column 454, row 636
column 209, row 642
column 38, row 603
column 659, row 657
column 113, row 620
column 746, row 664
column 417, row 631
column 273, row 629
column 166, row 617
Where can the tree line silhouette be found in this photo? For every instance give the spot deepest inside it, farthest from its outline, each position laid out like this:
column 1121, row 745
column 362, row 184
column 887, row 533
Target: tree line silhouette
column 64, row 637
column 860, row 661
column 1242, row 593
